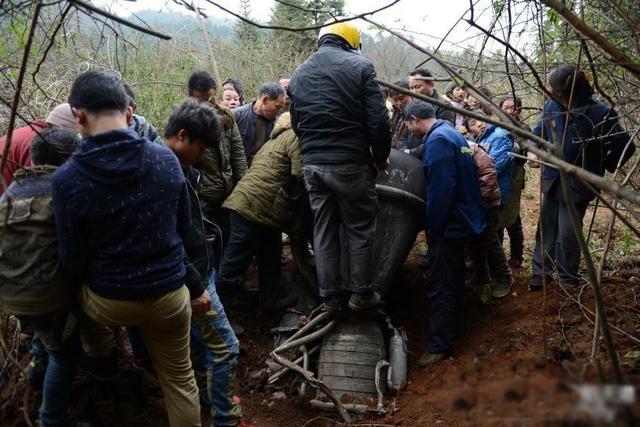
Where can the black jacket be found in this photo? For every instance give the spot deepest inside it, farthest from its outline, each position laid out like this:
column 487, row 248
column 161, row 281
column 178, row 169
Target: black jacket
column 246, row 120
column 337, row 108
column 443, row 113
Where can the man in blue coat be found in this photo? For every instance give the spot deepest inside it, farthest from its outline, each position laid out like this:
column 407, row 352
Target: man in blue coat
column 455, row 213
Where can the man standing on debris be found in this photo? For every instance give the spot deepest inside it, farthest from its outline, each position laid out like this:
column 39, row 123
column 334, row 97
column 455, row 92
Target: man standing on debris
column 338, row 111
column 455, row 213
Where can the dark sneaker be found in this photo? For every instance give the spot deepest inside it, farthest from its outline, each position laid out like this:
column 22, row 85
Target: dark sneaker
column 535, row 283
column 515, row 263
column 570, row 283
column 476, row 280
column 34, row 373
column 502, row 288
column 334, row 304
column 361, row 302
column 430, row 358
column 103, row 368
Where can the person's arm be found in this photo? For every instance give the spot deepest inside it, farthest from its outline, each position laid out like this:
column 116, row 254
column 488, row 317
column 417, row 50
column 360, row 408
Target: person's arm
column 71, row 239
column 439, row 161
column 238, row 159
column 377, row 123
column 614, row 139
column 499, row 152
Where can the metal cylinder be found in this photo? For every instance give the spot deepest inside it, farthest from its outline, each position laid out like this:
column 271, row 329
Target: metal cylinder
column 397, row 377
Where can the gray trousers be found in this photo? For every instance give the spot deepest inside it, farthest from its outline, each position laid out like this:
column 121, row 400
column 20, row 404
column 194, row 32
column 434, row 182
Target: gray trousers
column 560, row 244
column 343, row 198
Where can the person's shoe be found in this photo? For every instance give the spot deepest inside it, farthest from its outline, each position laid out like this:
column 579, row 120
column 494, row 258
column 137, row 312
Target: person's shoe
column 430, row 358
column 535, row 283
column 502, row 287
column 476, row 280
column 362, row 302
column 34, row 373
column 515, row 263
column 334, row 304
column 102, row 368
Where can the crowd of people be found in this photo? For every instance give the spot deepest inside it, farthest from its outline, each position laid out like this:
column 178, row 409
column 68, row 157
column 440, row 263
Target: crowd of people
column 120, row 227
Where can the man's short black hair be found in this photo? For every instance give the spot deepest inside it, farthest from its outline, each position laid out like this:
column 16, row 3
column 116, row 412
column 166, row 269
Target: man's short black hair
column 130, row 93
column 421, row 72
column 53, row 146
column 272, row 90
column 201, row 81
column 403, row 84
column 419, row 109
column 199, row 121
column 98, row 91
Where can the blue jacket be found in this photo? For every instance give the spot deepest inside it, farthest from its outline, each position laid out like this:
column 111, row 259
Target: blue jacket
column 498, row 143
column 120, row 203
column 595, row 141
column 454, row 204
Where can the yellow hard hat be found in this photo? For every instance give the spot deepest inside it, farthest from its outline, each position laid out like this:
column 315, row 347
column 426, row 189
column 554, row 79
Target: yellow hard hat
column 345, row 30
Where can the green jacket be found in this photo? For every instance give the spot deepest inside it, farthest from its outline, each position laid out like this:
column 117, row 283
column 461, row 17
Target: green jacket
column 267, row 193
column 32, row 281
column 222, row 168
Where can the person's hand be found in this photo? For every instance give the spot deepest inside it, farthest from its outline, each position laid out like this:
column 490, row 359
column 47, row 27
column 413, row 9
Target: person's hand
column 384, row 165
column 462, row 130
column 532, row 157
column 201, row 304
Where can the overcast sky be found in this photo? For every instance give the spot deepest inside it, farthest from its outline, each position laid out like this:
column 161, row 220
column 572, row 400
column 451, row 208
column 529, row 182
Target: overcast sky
column 426, row 21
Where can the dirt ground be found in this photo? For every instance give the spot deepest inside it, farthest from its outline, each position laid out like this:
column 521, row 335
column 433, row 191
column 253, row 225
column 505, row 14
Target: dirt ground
column 515, row 366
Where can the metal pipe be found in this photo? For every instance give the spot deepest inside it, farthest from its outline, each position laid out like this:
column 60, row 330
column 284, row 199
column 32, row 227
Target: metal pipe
column 381, row 364
column 306, row 327
column 401, row 195
column 306, row 339
column 356, row 408
column 305, row 366
column 280, row 372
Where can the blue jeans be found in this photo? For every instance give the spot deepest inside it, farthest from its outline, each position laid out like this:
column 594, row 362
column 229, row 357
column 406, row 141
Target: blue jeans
column 560, row 244
column 59, row 335
column 216, row 346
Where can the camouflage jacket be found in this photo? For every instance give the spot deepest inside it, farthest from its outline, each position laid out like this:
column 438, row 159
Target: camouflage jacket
column 32, row 281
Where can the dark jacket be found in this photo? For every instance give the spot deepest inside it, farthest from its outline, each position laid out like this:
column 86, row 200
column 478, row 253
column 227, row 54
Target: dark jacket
column 32, row 282
column 337, row 108
column 455, row 208
column 399, row 132
column 246, row 119
column 223, row 166
column 487, row 175
column 144, row 129
column 441, row 112
column 198, row 260
column 120, row 203
column 595, row 141
column 499, row 143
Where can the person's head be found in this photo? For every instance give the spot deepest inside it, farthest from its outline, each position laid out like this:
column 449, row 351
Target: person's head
column 455, row 92
column 568, row 83
column 421, row 81
column 284, row 80
column 400, row 99
column 53, row 146
column 235, row 85
column 132, row 97
column 476, row 103
column 192, row 127
column 230, row 98
column 344, row 33
column 512, row 106
column 419, row 117
column 99, row 102
column 201, row 86
column 62, row 117
column 475, row 126
column 271, row 100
